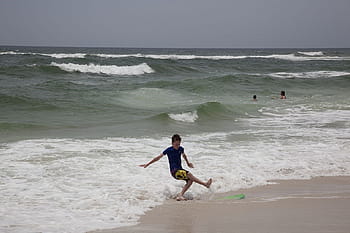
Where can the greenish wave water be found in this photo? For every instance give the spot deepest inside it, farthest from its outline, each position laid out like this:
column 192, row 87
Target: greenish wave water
column 131, row 89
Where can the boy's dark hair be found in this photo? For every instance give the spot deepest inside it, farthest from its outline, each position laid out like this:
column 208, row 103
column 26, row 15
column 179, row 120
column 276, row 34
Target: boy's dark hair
column 175, row 138
column 254, row 96
column 283, row 93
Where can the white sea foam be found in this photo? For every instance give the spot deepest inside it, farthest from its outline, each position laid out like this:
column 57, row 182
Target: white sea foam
column 290, row 57
column 64, row 55
column 12, row 53
column 54, row 55
column 318, row 53
column 311, row 74
column 105, row 69
column 293, row 57
column 182, row 57
column 170, row 56
column 104, row 55
column 72, row 185
column 184, row 117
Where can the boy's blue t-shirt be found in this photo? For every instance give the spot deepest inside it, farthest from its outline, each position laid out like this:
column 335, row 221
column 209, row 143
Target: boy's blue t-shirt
column 174, row 157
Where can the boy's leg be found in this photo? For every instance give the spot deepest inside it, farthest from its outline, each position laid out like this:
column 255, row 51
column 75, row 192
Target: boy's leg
column 195, row 179
column 188, row 184
column 186, row 187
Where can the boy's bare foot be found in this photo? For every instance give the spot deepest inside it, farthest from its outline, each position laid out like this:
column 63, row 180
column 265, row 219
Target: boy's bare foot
column 181, row 198
column 209, row 183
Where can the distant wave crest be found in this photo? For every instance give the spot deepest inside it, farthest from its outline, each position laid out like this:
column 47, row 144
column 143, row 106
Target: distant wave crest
column 54, row 55
column 12, row 53
column 294, row 57
column 309, row 56
column 64, row 55
column 105, row 69
column 311, row 74
column 318, row 53
column 169, row 56
column 298, row 56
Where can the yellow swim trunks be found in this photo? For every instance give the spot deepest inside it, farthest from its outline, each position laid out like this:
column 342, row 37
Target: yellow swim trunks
column 180, row 174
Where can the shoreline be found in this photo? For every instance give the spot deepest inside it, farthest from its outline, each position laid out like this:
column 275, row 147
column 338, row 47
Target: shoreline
column 320, row 204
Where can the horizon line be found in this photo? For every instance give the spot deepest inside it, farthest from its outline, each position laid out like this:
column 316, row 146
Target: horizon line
column 132, row 47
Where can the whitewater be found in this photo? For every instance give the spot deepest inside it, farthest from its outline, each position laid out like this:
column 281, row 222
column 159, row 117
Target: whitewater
column 104, row 69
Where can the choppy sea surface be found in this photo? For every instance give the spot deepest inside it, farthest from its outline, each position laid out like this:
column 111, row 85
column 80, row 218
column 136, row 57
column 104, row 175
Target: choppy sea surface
column 76, row 122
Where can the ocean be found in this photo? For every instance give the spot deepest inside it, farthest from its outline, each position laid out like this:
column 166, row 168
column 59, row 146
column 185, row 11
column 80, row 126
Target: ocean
column 75, row 124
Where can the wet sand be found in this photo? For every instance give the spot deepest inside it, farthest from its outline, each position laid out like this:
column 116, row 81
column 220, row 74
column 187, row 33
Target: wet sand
column 295, row 206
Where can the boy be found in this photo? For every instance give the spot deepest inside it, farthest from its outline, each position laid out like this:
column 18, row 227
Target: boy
column 174, row 156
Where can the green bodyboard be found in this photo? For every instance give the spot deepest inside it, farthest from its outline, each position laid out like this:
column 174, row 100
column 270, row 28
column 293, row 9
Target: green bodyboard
column 236, row 197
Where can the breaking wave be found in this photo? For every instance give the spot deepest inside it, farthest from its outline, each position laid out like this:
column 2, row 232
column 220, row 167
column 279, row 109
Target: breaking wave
column 13, row 53
column 318, row 53
column 54, row 55
column 185, row 117
column 169, row 56
column 105, row 69
column 290, row 57
column 64, row 55
column 311, row 75
column 293, row 57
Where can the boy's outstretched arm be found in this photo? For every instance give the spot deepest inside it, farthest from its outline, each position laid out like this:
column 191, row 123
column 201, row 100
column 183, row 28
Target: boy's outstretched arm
column 152, row 161
column 188, row 163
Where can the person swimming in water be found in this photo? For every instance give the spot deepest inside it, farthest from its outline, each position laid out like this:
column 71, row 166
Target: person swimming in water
column 174, row 154
column 283, row 95
column 254, row 98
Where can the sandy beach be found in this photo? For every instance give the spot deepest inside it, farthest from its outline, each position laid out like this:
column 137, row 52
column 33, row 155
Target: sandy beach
column 318, row 205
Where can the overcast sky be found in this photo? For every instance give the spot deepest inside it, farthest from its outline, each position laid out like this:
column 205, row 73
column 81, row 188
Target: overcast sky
column 176, row 23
